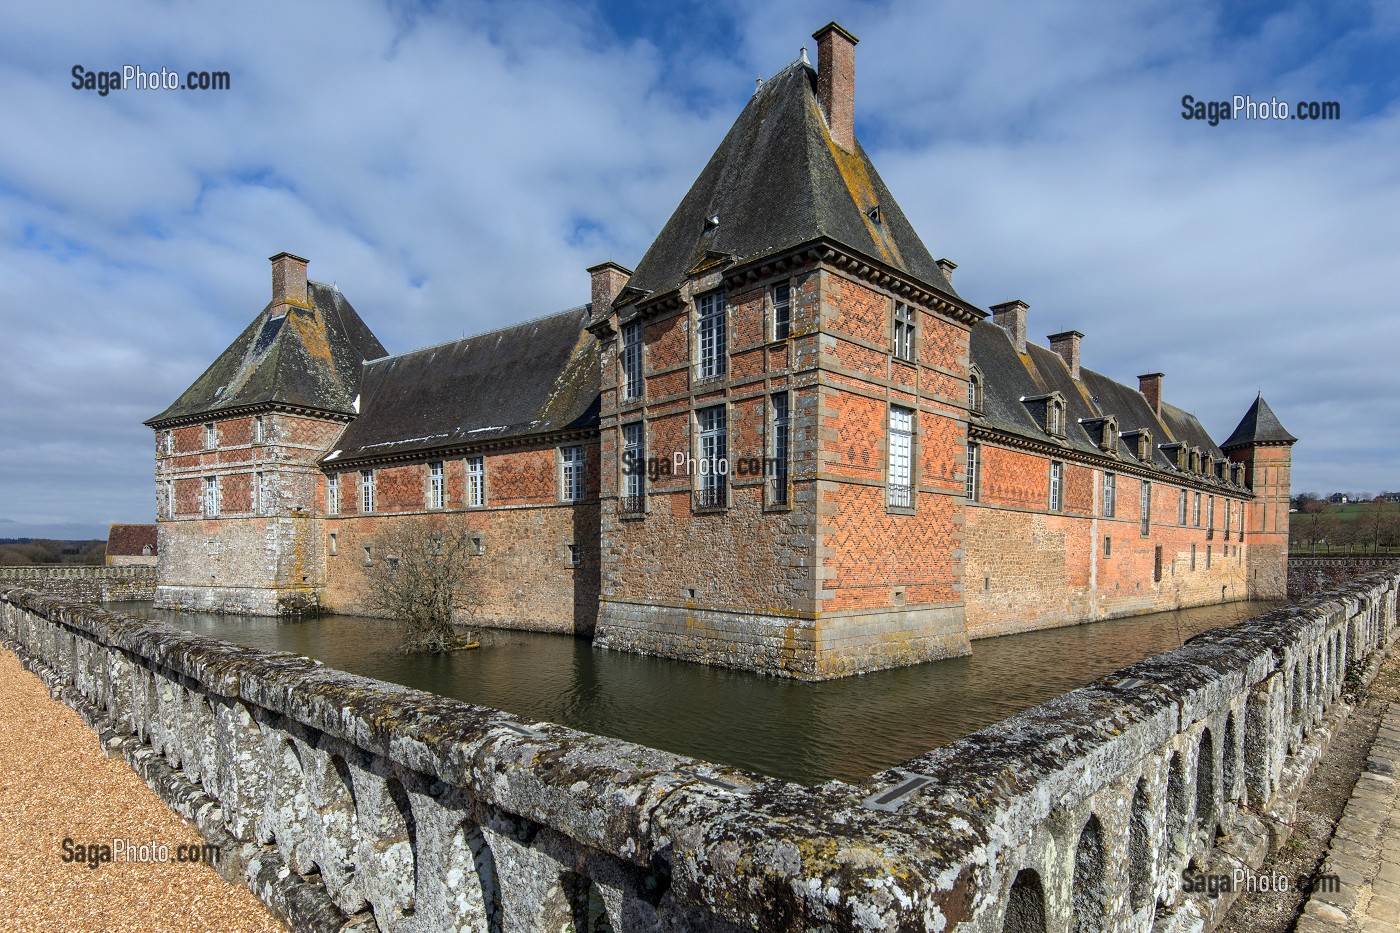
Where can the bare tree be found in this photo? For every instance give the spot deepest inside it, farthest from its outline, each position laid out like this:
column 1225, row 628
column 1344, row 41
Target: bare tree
column 420, row 577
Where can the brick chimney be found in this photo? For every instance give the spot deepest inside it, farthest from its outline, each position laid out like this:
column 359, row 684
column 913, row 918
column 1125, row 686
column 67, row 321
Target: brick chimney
column 1150, row 385
column 946, row 266
column 289, row 280
column 608, row 279
column 836, row 82
column 1010, row 316
column 1067, row 345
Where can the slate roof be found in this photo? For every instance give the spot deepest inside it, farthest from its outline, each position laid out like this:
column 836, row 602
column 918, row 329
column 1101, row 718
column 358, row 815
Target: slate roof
column 128, row 540
column 305, row 358
column 1008, row 376
column 1259, row 426
column 530, row 378
column 778, row 180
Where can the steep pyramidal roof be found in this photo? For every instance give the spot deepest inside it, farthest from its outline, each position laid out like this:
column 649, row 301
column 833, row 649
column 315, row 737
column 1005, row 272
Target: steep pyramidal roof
column 537, row 376
column 1259, row 426
column 778, row 180
column 303, row 358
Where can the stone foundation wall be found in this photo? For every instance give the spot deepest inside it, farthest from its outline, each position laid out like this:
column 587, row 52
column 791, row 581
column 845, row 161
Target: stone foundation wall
column 341, row 798
column 83, row 583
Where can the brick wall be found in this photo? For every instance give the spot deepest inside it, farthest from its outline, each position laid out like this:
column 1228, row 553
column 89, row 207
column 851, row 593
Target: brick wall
column 1030, row 568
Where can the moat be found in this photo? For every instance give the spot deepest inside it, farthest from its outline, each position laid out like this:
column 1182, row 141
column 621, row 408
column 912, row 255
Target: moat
column 806, row 732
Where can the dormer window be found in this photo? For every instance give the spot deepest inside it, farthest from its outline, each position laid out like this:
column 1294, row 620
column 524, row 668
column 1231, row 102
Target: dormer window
column 1108, row 436
column 1055, row 417
column 974, row 391
column 1140, row 443
column 1195, row 460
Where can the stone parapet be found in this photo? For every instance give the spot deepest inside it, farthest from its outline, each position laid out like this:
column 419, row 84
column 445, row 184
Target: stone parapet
column 388, row 806
column 83, row 582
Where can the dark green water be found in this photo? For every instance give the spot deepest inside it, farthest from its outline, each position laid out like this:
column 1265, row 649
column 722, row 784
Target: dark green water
column 808, row 732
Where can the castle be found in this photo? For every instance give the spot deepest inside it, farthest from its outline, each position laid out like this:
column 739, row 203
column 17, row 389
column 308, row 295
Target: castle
column 783, row 443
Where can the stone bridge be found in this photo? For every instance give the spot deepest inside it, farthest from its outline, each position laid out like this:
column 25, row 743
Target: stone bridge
column 343, row 800
column 1312, row 573
column 89, row 583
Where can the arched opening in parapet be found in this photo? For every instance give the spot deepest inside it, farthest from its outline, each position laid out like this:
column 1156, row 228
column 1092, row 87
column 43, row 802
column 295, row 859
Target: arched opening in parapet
column 1025, row 907
column 1257, row 748
column 1088, row 895
column 1205, row 784
column 1229, row 760
column 1139, row 849
column 1296, row 714
column 405, row 830
column 473, row 906
column 1178, row 808
column 586, row 904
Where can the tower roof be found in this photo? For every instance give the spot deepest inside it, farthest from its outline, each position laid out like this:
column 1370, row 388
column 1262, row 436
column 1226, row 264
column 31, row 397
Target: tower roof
column 1258, row 426
column 778, row 180
column 301, row 357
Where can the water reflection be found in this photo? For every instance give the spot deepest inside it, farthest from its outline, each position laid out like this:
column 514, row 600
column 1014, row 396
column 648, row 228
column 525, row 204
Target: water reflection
column 845, row 729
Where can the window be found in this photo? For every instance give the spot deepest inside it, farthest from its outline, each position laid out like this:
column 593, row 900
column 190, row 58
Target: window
column 369, row 555
column 634, row 469
column 366, row 490
column 258, row 429
column 781, row 295
column 1110, row 494
column 1157, row 564
column 974, row 454
column 714, row 457
column 1208, row 547
column 211, row 436
column 904, row 347
column 632, row 360
column 1108, row 437
column 974, row 391
column 333, row 544
column 1055, row 417
column 778, row 450
column 476, row 481
column 169, row 499
column 713, row 348
column 1057, row 485
column 168, row 442
column 1196, row 509
column 333, row 494
column 1146, row 509
column 1193, row 557
column 901, row 492
column 1181, row 509
column 1210, row 517
column 1226, row 526
column 211, row 496
column 257, row 493
column 435, row 485
column 572, row 555
column 571, row 474
column 1108, row 545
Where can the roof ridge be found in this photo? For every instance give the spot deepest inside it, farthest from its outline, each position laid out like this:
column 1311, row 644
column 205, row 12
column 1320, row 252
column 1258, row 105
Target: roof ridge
column 485, row 333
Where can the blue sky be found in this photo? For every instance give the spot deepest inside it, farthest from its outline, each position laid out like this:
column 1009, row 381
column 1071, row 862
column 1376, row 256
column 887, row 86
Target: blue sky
column 456, row 167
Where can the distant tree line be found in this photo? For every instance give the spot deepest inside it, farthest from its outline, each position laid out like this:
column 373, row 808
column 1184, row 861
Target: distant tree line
column 21, row 552
column 1370, row 526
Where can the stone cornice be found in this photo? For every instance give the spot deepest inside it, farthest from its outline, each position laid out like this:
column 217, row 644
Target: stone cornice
column 455, row 451
column 243, row 411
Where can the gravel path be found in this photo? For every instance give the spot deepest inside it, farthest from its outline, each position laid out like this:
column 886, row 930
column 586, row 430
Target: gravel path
column 56, row 783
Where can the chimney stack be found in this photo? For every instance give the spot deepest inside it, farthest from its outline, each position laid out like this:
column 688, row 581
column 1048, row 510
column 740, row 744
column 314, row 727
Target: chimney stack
column 1150, row 385
column 1011, row 317
column 608, row 279
column 836, row 82
column 1067, row 345
column 947, row 266
column 289, row 281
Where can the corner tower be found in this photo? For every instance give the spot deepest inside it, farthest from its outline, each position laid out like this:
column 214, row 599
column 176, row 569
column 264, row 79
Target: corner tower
column 784, row 424
column 1265, row 448
column 239, row 496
